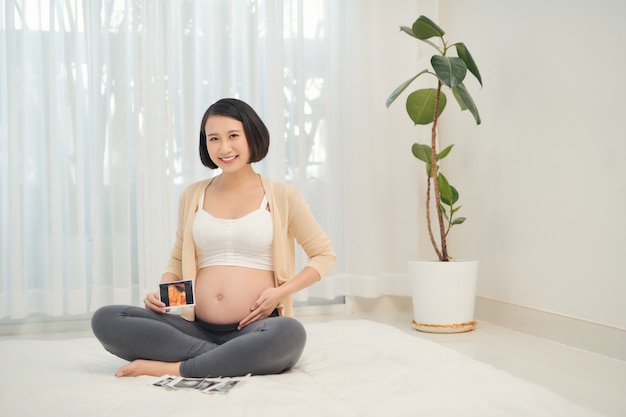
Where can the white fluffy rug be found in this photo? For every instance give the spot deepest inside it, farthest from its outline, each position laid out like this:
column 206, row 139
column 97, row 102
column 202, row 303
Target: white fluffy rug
column 349, row 368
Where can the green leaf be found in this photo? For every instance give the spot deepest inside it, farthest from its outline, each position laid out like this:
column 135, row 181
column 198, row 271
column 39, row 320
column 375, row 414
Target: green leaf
column 457, row 96
column 455, row 195
column 420, row 105
column 465, row 55
column 465, row 101
column 407, row 30
column 444, row 153
column 401, row 88
column 429, row 170
column 421, row 152
column 424, row 28
column 450, row 70
column 458, row 220
column 445, row 191
column 450, row 197
column 446, row 200
column 443, row 211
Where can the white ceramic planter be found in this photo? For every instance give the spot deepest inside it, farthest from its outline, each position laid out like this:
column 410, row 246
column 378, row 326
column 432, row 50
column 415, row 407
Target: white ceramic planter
column 443, row 295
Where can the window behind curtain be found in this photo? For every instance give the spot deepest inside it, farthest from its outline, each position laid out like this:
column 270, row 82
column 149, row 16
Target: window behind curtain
column 99, row 117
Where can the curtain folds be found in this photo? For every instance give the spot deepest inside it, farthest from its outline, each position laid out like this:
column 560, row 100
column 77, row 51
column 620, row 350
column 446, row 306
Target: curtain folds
column 100, row 106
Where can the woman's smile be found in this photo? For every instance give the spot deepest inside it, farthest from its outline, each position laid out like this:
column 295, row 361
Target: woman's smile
column 229, row 159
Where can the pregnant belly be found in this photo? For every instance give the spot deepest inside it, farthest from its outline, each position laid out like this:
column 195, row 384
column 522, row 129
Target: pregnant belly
column 224, row 294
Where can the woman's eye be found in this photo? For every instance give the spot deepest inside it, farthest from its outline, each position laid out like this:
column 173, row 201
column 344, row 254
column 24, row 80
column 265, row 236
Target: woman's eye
column 234, row 135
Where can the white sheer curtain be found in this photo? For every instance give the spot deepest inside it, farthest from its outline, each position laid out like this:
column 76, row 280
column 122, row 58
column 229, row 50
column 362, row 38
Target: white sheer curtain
column 100, row 103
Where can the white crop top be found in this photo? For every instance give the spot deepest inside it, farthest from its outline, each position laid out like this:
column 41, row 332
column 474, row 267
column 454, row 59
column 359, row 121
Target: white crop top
column 246, row 241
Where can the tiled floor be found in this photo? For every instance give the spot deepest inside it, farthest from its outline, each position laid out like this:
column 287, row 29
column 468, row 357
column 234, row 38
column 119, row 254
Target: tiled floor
column 589, row 379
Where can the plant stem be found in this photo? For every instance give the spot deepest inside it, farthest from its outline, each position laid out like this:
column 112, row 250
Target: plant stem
column 428, row 222
column 443, row 255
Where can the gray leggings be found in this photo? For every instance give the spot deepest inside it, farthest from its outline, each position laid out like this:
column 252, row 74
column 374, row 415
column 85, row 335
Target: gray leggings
column 268, row 346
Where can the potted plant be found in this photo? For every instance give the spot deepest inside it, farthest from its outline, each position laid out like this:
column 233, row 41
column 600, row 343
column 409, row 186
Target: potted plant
column 438, row 309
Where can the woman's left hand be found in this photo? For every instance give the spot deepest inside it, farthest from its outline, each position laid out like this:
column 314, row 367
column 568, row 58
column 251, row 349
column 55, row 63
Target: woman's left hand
column 262, row 307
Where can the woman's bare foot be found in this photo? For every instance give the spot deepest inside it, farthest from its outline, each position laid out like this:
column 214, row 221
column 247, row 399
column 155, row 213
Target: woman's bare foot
column 145, row 367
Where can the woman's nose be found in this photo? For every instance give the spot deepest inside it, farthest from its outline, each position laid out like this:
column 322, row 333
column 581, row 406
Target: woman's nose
column 224, row 146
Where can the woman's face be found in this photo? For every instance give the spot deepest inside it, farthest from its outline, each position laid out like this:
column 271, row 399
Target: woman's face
column 226, row 143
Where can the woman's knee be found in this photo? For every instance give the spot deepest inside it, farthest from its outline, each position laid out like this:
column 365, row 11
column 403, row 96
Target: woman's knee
column 104, row 320
column 101, row 320
column 292, row 339
column 286, row 335
column 293, row 330
column 289, row 337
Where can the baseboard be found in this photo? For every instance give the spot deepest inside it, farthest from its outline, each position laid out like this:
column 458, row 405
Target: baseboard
column 594, row 337
column 43, row 326
column 386, row 304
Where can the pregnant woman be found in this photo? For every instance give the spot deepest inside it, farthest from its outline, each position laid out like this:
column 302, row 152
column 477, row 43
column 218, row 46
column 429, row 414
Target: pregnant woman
column 235, row 240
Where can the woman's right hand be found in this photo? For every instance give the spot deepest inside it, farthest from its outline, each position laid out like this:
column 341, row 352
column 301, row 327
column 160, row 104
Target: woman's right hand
column 153, row 303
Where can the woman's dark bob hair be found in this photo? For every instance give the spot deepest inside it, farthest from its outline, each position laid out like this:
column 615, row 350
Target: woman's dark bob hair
column 256, row 132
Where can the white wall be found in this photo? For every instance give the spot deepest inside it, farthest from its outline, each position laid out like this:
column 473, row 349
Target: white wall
column 543, row 179
column 381, row 217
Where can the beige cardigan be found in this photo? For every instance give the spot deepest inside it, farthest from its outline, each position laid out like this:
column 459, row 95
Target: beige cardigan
column 292, row 220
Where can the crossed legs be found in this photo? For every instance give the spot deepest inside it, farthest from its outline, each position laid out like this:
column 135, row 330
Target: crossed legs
column 159, row 344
